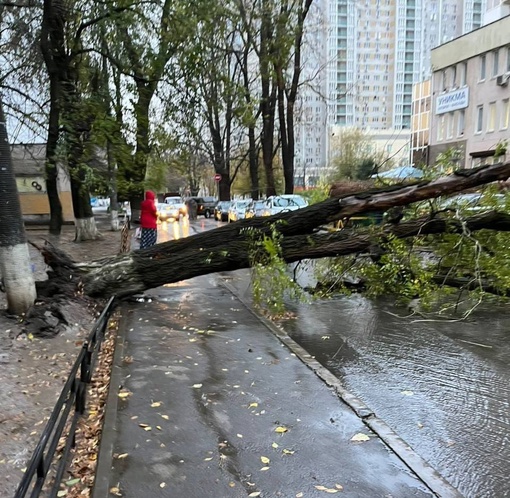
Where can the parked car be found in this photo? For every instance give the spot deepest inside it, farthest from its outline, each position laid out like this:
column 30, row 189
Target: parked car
column 237, row 210
column 221, row 210
column 177, row 202
column 281, row 203
column 205, row 205
column 255, row 208
column 474, row 202
column 167, row 211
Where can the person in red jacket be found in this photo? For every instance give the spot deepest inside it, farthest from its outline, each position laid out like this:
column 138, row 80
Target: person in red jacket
column 148, row 221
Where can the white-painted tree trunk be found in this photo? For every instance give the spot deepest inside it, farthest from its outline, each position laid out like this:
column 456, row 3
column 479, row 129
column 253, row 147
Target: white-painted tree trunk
column 114, row 218
column 18, row 279
column 86, row 229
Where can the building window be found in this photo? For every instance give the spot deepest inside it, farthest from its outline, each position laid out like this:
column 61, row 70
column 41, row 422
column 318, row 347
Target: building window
column 505, row 114
column 479, row 119
column 491, row 122
column 454, row 76
column 508, row 59
column 461, row 122
column 463, row 74
column 443, row 80
column 440, row 129
column 449, row 125
column 495, row 63
column 483, row 67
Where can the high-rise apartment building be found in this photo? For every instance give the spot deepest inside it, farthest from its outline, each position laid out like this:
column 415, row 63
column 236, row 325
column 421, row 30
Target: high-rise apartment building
column 372, row 51
column 382, row 47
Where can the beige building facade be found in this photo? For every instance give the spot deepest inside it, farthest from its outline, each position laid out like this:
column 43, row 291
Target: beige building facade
column 28, row 163
column 470, row 103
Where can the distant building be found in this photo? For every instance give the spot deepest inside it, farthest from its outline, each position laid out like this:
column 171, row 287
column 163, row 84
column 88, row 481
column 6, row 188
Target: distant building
column 496, row 9
column 360, row 61
column 470, row 94
column 28, row 163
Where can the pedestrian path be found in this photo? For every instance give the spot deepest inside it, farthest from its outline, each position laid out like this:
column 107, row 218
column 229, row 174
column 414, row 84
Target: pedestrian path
column 206, row 402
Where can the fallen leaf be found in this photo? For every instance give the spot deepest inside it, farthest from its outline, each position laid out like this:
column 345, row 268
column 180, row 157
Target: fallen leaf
column 155, row 404
column 232, row 484
column 360, row 437
column 299, row 495
column 281, row 430
column 264, row 459
column 254, row 494
column 239, row 435
column 166, row 417
column 288, row 452
column 148, row 428
column 274, row 445
column 193, row 339
column 326, row 490
column 208, row 459
column 325, row 337
column 264, row 468
column 115, row 491
column 122, row 456
column 143, row 426
column 159, row 428
column 162, row 484
column 339, row 486
column 62, row 492
column 253, row 405
column 407, row 393
column 197, row 386
column 124, row 394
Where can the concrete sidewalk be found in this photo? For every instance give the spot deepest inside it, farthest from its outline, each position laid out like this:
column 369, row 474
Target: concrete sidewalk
column 216, row 406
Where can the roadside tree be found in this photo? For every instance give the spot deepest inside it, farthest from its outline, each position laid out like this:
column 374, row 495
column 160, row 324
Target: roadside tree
column 15, row 267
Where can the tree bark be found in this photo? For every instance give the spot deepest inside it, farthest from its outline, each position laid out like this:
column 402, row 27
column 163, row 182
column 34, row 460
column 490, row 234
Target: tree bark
column 228, row 248
column 15, row 267
column 52, row 35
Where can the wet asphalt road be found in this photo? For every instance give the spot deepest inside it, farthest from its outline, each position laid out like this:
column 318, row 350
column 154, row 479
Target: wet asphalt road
column 442, row 387
column 210, row 387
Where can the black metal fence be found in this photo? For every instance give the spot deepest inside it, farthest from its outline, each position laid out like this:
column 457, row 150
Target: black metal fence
column 74, row 393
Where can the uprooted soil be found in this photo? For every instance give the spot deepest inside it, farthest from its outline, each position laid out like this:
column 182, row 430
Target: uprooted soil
column 36, row 354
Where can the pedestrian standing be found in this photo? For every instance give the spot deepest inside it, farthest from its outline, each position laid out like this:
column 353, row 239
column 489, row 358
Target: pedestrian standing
column 148, row 221
column 193, row 208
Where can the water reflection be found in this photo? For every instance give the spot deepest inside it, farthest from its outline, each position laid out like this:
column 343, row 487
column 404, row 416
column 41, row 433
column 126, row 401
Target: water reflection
column 173, row 229
column 444, row 387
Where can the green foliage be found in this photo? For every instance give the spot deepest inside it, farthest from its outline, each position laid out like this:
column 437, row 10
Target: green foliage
column 409, row 269
column 271, row 280
column 354, row 156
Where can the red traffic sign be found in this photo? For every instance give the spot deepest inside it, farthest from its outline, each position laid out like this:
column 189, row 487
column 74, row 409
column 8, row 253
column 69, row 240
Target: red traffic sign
column 217, row 177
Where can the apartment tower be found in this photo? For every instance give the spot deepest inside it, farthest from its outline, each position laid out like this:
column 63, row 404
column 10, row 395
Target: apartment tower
column 372, row 52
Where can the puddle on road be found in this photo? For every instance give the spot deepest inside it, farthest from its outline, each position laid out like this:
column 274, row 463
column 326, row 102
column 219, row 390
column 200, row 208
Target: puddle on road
column 444, row 387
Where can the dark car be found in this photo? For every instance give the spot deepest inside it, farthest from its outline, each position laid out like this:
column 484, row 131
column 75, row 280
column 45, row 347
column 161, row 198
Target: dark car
column 221, row 210
column 205, row 205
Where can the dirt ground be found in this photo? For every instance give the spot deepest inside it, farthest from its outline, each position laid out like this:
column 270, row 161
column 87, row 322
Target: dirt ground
column 32, row 369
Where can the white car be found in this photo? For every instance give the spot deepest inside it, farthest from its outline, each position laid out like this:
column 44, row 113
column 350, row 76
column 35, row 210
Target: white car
column 167, row 211
column 177, row 203
column 237, row 210
column 282, row 203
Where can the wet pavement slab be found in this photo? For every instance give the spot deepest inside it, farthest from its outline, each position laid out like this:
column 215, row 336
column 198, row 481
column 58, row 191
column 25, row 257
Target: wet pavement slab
column 213, row 404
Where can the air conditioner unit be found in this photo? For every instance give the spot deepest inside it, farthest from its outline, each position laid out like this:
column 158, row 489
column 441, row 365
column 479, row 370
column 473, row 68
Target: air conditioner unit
column 503, row 79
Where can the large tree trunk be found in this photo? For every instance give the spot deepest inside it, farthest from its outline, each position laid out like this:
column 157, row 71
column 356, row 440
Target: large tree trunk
column 228, row 248
column 52, row 48
column 15, row 267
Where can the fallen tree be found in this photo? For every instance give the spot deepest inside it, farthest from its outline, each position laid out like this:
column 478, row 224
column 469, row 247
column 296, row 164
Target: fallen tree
column 228, row 248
